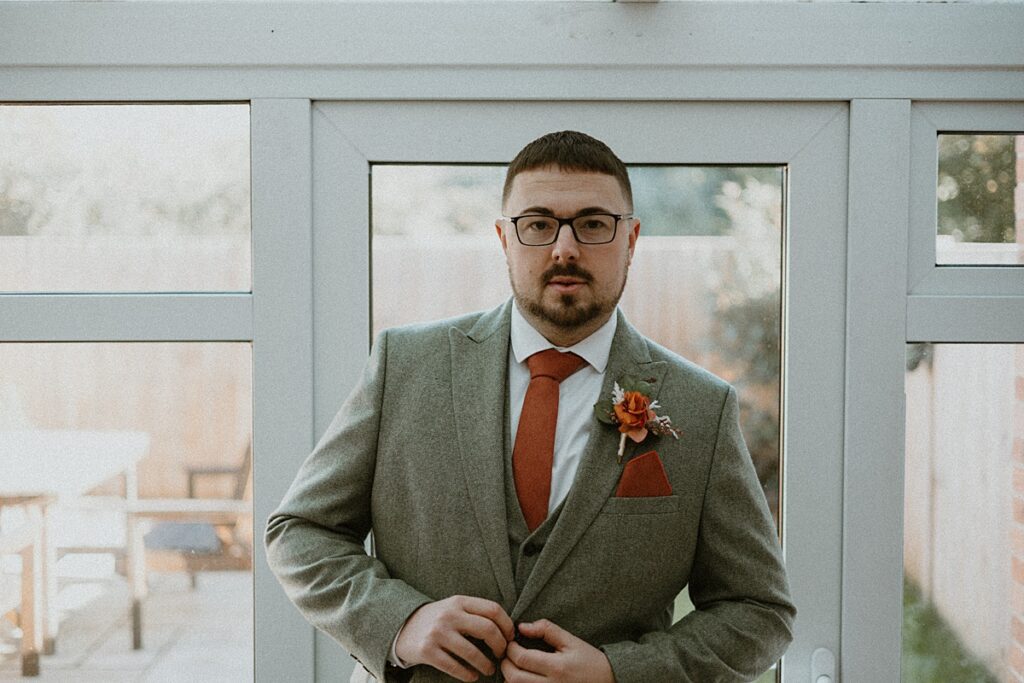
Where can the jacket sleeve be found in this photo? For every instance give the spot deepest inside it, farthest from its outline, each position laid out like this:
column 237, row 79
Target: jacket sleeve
column 743, row 616
column 315, row 540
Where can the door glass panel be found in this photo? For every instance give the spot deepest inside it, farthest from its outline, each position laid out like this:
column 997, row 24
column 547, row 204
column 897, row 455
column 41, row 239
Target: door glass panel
column 963, row 545
column 980, row 199
column 135, row 458
column 118, row 198
column 705, row 280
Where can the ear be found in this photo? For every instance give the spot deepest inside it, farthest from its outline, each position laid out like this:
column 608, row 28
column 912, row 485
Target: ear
column 499, row 227
column 634, row 233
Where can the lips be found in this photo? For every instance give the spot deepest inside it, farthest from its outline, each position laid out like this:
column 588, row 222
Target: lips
column 565, row 278
column 566, row 285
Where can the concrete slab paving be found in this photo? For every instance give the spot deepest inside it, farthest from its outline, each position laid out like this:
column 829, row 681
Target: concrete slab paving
column 200, row 635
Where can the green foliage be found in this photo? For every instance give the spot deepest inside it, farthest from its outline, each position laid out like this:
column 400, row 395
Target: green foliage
column 932, row 653
column 747, row 336
column 680, row 200
column 919, row 352
column 975, row 187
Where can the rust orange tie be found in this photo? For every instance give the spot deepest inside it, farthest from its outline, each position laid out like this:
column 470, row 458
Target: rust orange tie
column 533, row 453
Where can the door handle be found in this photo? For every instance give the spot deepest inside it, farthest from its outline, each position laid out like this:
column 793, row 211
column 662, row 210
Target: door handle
column 823, row 666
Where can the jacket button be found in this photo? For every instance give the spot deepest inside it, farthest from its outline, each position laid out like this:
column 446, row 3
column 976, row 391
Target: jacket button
column 531, row 549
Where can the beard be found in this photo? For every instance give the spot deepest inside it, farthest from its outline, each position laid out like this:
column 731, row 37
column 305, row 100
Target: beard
column 568, row 313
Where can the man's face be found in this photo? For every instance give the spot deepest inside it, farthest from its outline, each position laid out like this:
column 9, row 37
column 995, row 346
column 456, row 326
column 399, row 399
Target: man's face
column 567, row 289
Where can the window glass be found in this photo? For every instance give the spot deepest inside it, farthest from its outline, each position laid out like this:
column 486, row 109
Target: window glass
column 138, row 456
column 980, row 197
column 705, row 280
column 963, row 611
column 117, row 198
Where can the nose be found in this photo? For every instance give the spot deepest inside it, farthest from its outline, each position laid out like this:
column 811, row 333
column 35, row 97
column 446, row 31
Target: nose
column 565, row 247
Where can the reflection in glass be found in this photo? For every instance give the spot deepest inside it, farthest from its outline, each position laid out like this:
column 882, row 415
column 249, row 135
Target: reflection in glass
column 118, row 198
column 980, row 210
column 705, row 280
column 963, row 546
column 138, row 456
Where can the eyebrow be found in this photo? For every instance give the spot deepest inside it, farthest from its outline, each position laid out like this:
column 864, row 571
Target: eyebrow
column 545, row 211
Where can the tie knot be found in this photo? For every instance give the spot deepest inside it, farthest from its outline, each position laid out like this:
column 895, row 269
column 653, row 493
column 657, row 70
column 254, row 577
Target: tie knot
column 554, row 364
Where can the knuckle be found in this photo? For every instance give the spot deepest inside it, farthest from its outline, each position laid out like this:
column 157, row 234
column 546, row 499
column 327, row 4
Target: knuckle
column 435, row 633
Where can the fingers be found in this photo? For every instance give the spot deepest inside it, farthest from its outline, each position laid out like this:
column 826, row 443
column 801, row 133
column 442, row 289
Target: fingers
column 485, row 630
column 490, row 610
column 549, row 632
column 513, row 674
column 454, row 643
column 534, row 661
column 444, row 662
column 444, row 635
column 573, row 659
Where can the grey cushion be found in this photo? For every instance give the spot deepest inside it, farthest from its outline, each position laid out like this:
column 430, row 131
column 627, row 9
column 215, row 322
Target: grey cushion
column 190, row 537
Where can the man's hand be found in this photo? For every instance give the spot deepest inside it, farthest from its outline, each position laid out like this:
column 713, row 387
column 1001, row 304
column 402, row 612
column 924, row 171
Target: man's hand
column 573, row 661
column 438, row 632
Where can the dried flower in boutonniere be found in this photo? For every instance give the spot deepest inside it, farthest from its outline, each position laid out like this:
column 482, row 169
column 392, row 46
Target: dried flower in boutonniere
column 631, row 408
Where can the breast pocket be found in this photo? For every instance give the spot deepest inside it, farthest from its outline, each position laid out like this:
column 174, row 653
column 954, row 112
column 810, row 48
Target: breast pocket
column 641, row 506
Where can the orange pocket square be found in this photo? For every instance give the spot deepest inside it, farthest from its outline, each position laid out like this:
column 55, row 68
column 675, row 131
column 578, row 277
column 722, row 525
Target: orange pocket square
column 644, row 477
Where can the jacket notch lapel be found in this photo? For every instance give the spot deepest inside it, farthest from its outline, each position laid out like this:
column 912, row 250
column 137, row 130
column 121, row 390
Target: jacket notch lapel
column 479, row 368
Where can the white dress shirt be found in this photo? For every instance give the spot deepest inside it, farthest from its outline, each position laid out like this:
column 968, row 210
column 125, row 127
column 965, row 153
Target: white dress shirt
column 577, row 395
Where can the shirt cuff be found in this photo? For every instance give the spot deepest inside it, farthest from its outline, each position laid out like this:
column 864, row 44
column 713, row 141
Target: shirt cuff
column 393, row 658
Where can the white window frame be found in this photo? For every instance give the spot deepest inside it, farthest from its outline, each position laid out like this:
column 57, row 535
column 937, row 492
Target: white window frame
column 882, row 59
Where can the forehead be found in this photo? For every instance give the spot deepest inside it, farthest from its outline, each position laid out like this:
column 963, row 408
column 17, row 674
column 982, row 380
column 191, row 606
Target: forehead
column 565, row 191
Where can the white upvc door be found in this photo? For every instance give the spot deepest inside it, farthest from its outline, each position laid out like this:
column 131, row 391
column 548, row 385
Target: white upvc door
column 808, row 140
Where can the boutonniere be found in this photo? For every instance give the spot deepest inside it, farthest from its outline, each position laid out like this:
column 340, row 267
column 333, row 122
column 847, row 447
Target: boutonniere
column 631, row 408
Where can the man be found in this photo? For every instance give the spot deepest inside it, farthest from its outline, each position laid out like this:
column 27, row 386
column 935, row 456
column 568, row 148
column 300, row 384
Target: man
column 517, row 536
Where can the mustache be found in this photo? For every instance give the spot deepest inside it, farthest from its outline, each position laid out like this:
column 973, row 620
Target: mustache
column 566, row 270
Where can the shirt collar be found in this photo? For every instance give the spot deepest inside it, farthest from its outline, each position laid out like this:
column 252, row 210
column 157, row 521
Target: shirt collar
column 594, row 349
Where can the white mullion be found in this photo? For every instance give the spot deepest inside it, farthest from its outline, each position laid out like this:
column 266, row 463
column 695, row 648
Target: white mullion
column 968, row 319
column 812, row 408
column 282, row 360
column 874, row 425
column 924, row 159
column 125, row 317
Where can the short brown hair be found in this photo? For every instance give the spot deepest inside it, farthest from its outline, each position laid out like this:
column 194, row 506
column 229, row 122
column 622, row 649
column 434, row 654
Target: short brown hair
column 569, row 150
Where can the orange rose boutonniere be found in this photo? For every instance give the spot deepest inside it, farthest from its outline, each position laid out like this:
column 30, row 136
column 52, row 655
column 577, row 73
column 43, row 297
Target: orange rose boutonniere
column 632, row 410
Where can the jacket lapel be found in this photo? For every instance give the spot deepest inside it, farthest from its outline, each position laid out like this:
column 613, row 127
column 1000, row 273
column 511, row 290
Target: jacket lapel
column 479, row 368
column 599, row 470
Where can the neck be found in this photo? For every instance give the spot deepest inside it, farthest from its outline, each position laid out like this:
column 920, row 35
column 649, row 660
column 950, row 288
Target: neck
column 561, row 336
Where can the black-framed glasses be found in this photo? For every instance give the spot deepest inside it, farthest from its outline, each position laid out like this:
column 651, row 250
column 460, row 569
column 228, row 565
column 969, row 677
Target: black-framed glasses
column 538, row 230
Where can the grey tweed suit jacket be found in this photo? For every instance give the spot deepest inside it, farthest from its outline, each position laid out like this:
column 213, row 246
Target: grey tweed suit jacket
column 416, row 455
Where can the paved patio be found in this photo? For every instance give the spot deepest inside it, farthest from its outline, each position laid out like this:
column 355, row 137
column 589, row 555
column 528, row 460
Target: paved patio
column 188, row 635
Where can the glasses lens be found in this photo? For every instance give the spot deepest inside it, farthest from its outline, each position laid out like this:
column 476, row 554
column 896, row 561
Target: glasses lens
column 595, row 228
column 535, row 230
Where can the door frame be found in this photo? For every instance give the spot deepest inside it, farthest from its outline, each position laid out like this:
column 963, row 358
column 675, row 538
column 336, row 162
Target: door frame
column 809, row 139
